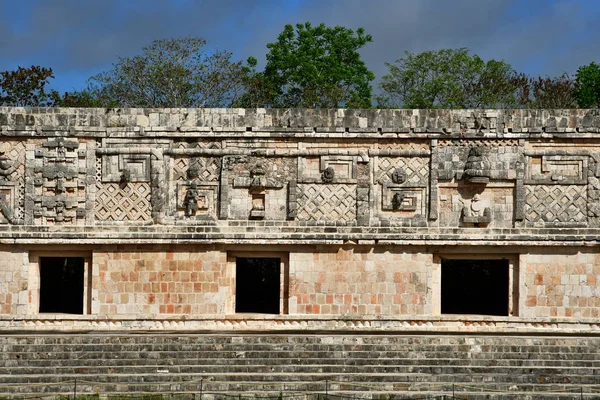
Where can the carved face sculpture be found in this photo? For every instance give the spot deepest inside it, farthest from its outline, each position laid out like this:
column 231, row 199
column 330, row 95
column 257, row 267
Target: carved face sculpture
column 477, row 205
column 328, row 174
column 398, row 176
column 5, row 163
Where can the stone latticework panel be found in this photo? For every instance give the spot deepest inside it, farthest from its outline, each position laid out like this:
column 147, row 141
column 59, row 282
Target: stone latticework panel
column 123, row 202
column 334, row 203
column 397, row 145
column 197, row 144
column 476, row 143
column 416, row 169
column 207, row 169
column 556, row 204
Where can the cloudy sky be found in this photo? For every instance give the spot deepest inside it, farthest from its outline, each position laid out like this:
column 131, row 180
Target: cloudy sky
column 79, row 38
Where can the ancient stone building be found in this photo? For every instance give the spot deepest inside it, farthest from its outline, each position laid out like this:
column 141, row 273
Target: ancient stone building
column 473, row 220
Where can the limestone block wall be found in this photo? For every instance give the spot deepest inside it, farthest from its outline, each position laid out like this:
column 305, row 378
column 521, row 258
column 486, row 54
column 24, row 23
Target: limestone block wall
column 164, row 280
column 561, row 283
column 362, row 280
column 14, row 282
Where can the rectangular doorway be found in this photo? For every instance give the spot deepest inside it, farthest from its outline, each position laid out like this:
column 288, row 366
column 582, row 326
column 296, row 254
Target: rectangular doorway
column 476, row 286
column 258, row 285
column 62, row 281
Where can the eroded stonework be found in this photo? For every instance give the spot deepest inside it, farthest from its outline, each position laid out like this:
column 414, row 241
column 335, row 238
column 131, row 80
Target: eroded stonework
column 361, row 206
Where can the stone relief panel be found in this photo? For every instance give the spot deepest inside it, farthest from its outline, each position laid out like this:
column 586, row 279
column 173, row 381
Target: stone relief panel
column 422, row 144
column 123, row 202
column 500, row 159
column 61, row 176
column 328, row 169
column 12, row 182
column 556, row 204
column 560, row 189
column 203, row 169
column 416, row 169
column 195, row 182
column 326, row 202
column 475, row 205
column 131, row 184
column 256, row 187
column 400, row 189
column 557, row 169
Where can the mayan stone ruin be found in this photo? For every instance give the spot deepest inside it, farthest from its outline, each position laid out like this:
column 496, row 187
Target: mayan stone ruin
column 239, row 219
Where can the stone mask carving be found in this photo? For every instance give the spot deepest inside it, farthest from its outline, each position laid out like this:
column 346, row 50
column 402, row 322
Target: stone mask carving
column 328, row 175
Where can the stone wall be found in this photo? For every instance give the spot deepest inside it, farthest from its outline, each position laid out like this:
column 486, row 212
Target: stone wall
column 360, row 206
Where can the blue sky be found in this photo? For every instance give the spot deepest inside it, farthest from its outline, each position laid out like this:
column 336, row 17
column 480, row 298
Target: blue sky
column 79, row 38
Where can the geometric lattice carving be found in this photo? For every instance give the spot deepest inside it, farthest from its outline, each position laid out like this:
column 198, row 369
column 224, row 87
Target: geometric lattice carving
column 208, row 168
column 556, row 203
column 123, row 202
column 416, row 169
column 196, row 144
column 414, row 144
column 473, row 143
column 326, row 202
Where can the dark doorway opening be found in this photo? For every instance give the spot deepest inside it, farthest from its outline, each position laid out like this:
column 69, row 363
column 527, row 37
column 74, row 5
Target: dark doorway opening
column 475, row 287
column 61, row 285
column 257, row 287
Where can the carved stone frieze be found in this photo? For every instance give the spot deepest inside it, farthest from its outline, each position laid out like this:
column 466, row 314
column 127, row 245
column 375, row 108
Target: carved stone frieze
column 476, row 211
column 412, row 171
column 330, row 202
column 196, row 200
column 556, row 205
column 12, row 182
column 61, row 175
column 478, row 166
column 253, row 187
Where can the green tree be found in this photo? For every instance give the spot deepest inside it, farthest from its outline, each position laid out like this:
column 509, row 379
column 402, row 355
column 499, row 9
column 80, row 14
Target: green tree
column 171, row 73
column 315, row 67
column 26, row 87
column 258, row 91
column 448, row 78
column 588, row 79
column 83, row 98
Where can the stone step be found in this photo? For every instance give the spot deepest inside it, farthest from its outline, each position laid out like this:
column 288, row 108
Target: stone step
column 48, row 360
column 297, row 356
column 465, row 350
column 357, row 365
column 505, row 379
column 18, row 370
column 270, row 340
column 470, row 391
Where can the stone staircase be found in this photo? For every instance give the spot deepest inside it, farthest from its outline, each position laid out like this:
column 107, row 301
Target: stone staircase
column 378, row 366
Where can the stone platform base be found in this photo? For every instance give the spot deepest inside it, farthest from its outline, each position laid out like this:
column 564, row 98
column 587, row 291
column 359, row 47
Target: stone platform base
column 290, row 323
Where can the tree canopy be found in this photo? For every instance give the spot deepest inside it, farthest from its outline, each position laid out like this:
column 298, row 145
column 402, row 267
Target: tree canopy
column 26, row 87
column 315, row 67
column 588, row 91
column 307, row 67
column 171, row 73
column 448, row 78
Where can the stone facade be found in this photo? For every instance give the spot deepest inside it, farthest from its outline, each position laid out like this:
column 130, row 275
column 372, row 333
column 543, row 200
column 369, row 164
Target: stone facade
column 361, row 208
